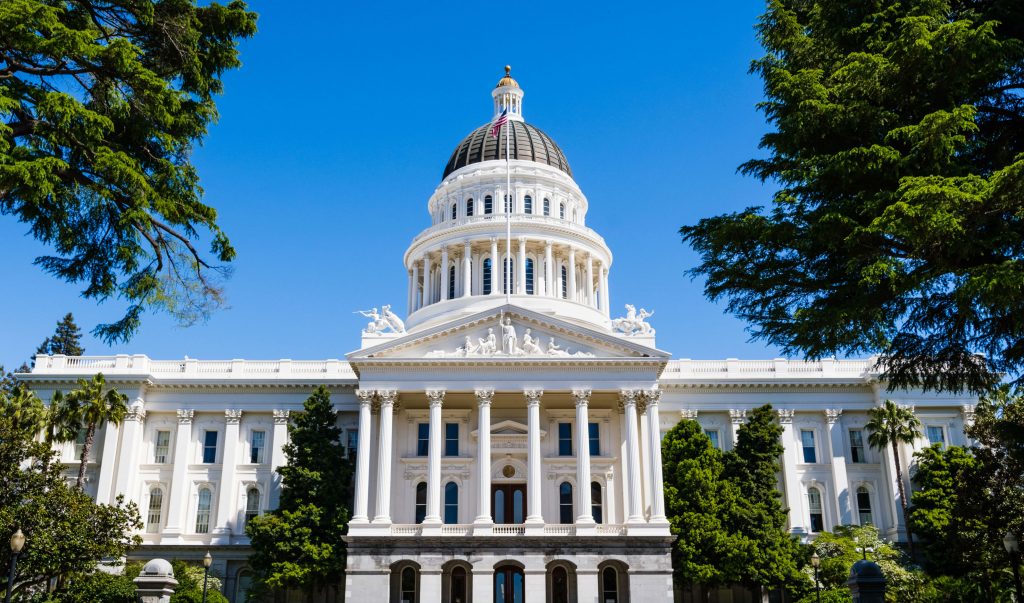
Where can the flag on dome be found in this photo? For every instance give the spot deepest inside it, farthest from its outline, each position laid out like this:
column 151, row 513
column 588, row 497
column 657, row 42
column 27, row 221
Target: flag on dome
column 502, row 120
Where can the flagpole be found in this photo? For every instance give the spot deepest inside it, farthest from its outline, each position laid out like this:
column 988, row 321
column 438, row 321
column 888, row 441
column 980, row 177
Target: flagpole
column 509, row 204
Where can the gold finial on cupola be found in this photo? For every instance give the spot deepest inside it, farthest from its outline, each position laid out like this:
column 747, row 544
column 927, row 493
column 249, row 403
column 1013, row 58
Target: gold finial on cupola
column 507, row 80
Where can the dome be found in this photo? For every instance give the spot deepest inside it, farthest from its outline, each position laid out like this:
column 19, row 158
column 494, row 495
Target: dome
column 528, row 144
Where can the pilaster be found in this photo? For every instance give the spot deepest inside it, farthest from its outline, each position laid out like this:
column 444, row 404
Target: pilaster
column 280, row 438
column 229, row 464
column 840, row 481
column 131, row 448
column 789, row 478
column 179, row 485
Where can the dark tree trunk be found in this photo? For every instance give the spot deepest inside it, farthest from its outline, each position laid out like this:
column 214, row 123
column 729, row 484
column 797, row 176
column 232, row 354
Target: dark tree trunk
column 90, row 433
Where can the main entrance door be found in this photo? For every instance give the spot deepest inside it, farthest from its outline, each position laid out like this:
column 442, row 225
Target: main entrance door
column 509, row 503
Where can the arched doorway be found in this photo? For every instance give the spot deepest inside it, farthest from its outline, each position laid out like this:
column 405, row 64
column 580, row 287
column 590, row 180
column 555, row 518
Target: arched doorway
column 508, row 584
column 455, row 582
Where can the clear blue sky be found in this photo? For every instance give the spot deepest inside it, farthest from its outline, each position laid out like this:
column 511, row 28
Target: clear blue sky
column 336, row 130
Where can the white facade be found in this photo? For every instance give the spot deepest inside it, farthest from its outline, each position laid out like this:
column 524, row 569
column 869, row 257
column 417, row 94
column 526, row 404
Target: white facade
column 475, row 480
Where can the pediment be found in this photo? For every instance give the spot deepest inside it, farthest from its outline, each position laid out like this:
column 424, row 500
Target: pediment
column 507, row 333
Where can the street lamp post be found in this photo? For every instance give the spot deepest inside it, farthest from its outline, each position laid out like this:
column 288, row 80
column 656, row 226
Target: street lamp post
column 1012, row 547
column 207, row 562
column 17, row 543
column 815, row 562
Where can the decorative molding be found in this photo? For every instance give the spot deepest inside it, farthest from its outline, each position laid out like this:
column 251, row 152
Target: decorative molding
column 281, row 416
column 185, row 416
column 436, row 397
column 628, row 397
column 785, row 415
column 689, row 414
column 533, row 396
column 484, row 396
column 968, row 412
column 582, row 396
column 738, row 416
column 832, row 415
column 365, row 397
column 137, row 411
column 387, row 397
column 232, row 416
column 652, row 396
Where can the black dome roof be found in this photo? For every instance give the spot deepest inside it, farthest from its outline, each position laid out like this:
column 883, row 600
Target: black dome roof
column 528, row 143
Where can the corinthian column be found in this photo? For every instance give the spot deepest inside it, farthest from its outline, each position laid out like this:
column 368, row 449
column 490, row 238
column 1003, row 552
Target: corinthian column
column 387, row 403
column 549, row 271
column 632, row 465
column 362, row 493
column 445, row 273
column 467, row 267
column 585, row 513
column 483, row 456
column 654, row 432
column 572, row 275
column 436, row 397
column 521, row 269
column 534, row 479
column 496, row 270
column 590, row 281
column 229, row 464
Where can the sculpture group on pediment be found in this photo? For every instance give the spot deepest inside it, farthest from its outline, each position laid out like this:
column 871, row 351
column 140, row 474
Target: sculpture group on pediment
column 382, row 322
column 633, row 323
column 511, row 345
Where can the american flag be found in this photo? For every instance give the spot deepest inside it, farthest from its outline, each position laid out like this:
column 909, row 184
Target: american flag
column 496, row 126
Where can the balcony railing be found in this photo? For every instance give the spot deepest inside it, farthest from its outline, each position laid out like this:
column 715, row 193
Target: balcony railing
column 124, row 364
column 779, row 368
column 466, row 529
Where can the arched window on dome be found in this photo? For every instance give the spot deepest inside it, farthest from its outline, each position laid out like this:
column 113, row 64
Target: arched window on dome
column 565, row 283
column 561, row 211
column 528, row 204
column 508, row 204
column 469, row 207
column 487, row 277
column 488, row 205
column 509, row 280
column 529, row 276
column 451, row 282
column 547, row 207
column 455, row 210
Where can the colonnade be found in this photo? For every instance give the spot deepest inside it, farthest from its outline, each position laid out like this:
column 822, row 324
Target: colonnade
column 536, row 266
column 634, row 405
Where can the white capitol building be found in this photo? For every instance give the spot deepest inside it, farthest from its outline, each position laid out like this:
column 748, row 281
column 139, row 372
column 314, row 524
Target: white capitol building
column 507, row 434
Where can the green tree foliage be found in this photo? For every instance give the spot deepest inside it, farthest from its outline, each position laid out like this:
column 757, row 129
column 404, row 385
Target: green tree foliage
column 66, row 339
column 90, row 406
column 66, row 532
column 101, row 105
column 190, row 585
column 299, row 545
column 898, row 149
column 841, row 548
column 892, row 425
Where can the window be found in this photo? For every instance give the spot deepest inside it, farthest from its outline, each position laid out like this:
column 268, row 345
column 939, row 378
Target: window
column 209, row 447
column 408, row 586
column 156, row 503
column 451, row 282
column 609, row 586
column 488, row 205
column 713, row 436
column 252, row 504
column 203, row 511
column 565, row 283
column 80, row 442
column 509, row 281
column 807, row 438
column 864, row 506
column 565, row 503
column 937, row 435
column 814, row 505
column 529, row 276
column 469, row 207
column 256, row 446
column 451, row 502
column 528, row 204
column 547, row 207
column 451, row 439
column 857, row 446
column 508, row 205
column 559, row 585
column 422, row 439
column 565, row 439
column 596, row 508
column 459, row 584
column 162, row 447
column 352, row 444
column 561, row 210
column 594, row 435
column 421, row 501
column 487, row 276
column 455, row 211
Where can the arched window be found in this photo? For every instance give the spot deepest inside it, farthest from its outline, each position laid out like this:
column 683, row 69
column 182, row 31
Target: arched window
column 565, row 283
column 609, row 585
column 407, row 593
column 547, row 207
column 203, row 511
column 508, row 204
column 252, row 504
column 528, row 204
column 508, row 585
column 559, row 585
column 509, row 282
column 864, row 506
column 451, row 282
column 459, row 589
column 488, row 205
column 814, row 506
column 455, row 211
column 421, row 501
column 469, row 207
column 596, row 508
column 487, row 276
column 565, row 514
column 451, row 502
column 561, row 210
column 529, row 276
column 156, row 505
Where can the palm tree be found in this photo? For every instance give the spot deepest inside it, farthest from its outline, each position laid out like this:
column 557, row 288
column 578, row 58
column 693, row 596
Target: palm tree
column 92, row 405
column 892, row 425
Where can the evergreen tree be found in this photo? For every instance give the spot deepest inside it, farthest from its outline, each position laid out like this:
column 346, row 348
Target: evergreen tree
column 892, row 425
column 89, row 407
column 898, row 152
column 299, row 545
column 67, row 339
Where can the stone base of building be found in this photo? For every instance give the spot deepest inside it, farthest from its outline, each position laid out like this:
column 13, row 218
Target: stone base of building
column 480, row 570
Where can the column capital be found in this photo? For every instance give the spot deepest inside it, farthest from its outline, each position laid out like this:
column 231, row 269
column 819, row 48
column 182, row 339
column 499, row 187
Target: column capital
column 484, row 396
column 185, row 416
column 832, row 415
column 232, row 416
column 548, row 244
column 387, row 397
column 582, row 396
column 521, row 239
column 533, row 396
column 137, row 411
column 365, row 396
column 281, row 416
column 652, row 396
column 689, row 414
column 436, row 397
column 738, row 416
column 627, row 397
column 785, row 415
